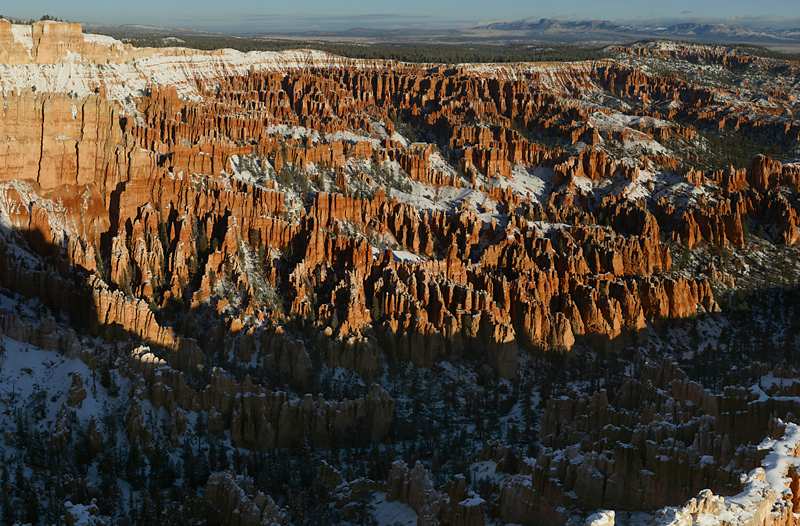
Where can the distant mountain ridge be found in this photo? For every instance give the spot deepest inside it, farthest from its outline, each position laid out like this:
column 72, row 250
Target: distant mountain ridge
column 548, row 27
column 550, row 24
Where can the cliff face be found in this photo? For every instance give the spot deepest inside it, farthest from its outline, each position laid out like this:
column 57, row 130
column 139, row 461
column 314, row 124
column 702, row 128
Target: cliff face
column 49, row 42
column 56, row 140
column 240, row 230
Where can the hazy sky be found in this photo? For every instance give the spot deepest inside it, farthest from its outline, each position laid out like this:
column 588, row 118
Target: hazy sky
column 316, row 14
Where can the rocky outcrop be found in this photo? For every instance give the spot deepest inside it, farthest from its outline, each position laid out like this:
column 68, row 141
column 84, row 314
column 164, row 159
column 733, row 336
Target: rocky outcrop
column 769, row 495
column 657, row 437
column 233, row 501
column 454, row 505
column 259, row 419
column 415, row 488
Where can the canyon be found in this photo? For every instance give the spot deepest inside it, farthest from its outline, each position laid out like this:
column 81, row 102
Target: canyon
column 293, row 287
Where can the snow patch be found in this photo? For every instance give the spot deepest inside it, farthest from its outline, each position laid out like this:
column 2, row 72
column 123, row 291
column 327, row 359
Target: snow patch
column 391, row 513
column 103, row 40
column 601, row 518
column 347, row 136
column 397, row 137
column 23, row 34
column 27, row 373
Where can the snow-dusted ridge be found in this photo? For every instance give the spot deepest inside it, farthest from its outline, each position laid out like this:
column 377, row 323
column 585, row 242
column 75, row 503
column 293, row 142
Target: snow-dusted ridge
column 129, row 79
column 766, row 498
column 88, row 62
column 94, row 61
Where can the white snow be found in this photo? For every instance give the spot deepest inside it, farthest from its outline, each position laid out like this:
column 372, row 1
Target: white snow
column 619, row 121
column 555, row 76
column 166, row 67
column 142, row 354
column 529, row 181
column 406, row 257
column 28, row 372
column 484, row 471
column 182, row 70
column 396, row 137
column 437, row 163
column 635, row 139
column 347, row 136
column 251, row 170
column 23, row 34
column 706, row 460
column 782, row 455
column 472, row 501
column 601, row 518
column 583, row 183
column 295, row 132
column 447, row 198
column 391, row 513
column 765, row 490
column 546, row 227
column 85, row 514
column 104, row 40
column 770, row 381
column 639, row 189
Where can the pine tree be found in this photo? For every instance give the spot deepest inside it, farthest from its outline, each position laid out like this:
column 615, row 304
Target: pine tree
column 133, row 466
column 7, row 502
column 30, row 504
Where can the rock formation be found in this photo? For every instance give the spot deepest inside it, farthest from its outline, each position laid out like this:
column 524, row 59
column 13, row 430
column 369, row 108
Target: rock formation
column 267, row 246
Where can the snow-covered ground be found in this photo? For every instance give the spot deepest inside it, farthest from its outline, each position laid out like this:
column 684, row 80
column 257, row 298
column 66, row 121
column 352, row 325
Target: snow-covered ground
column 527, row 181
column 391, row 513
column 32, row 376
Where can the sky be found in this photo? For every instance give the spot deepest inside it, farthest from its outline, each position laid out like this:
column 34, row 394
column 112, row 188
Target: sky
column 311, row 15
